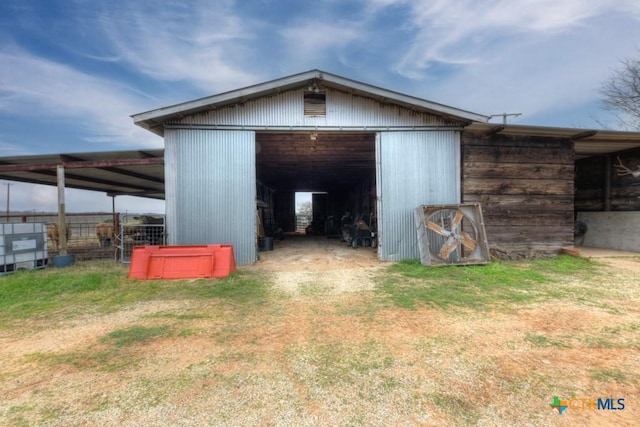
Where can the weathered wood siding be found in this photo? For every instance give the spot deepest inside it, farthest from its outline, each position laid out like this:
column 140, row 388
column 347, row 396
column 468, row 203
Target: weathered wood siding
column 525, row 187
column 594, row 193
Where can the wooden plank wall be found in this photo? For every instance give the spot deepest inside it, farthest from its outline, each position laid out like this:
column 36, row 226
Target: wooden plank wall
column 525, row 187
column 591, row 183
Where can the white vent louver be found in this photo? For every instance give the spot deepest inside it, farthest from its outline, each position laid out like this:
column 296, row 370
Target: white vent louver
column 315, row 104
column 451, row 234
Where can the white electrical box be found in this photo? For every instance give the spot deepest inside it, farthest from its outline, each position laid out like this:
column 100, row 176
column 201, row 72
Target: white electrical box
column 22, row 246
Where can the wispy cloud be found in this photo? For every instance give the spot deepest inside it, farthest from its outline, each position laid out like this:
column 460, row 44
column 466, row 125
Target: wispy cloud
column 312, row 41
column 530, row 56
column 10, row 149
column 465, row 31
column 38, row 87
column 193, row 42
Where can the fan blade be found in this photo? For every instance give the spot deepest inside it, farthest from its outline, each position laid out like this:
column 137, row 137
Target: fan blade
column 448, row 247
column 435, row 227
column 456, row 221
column 468, row 241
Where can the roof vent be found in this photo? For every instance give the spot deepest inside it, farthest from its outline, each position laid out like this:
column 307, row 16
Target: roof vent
column 315, row 104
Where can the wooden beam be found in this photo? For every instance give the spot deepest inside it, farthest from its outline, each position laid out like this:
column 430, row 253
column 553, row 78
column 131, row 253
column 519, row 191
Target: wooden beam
column 120, row 171
column 109, row 183
column 83, row 164
column 585, row 134
column 62, row 221
column 494, row 130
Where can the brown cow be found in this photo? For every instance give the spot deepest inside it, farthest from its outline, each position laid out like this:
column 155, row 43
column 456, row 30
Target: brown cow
column 54, row 236
column 104, row 233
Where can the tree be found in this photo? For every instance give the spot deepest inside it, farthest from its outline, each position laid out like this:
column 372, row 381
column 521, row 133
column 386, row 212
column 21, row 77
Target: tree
column 621, row 93
column 304, row 208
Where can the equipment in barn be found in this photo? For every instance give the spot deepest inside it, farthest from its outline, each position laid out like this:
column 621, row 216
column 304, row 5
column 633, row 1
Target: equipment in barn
column 346, row 222
column 265, row 244
column 331, row 227
column 22, row 246
column 361, row 233
column 451, row 234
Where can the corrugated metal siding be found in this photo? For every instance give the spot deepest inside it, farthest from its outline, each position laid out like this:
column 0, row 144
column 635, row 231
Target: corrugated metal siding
column 413, row 169
column 211, row 189
column 287, row 109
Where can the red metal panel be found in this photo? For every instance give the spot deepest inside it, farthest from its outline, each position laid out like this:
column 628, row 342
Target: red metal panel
column 182, row 262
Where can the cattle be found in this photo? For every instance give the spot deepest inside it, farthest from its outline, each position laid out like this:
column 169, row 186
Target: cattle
column 104, row 233
column 54, row 236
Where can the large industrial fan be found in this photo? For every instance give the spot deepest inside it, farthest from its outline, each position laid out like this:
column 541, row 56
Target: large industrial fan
column 451, row 234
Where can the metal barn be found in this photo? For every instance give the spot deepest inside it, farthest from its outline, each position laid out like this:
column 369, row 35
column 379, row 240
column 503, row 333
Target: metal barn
column 233, row 162
column 362, row 151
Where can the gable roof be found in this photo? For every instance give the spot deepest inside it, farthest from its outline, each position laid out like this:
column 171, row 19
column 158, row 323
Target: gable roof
column 153, row 120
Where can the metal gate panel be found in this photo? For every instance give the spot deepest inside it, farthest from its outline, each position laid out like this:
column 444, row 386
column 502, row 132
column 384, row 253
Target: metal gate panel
column 139, row 230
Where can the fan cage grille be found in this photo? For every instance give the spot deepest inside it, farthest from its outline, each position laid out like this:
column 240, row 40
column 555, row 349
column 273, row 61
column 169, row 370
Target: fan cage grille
column 451, row 234
column 445, row 219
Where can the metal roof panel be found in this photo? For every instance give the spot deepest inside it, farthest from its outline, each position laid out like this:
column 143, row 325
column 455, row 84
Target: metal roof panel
column 135, row 173
column 152, row 120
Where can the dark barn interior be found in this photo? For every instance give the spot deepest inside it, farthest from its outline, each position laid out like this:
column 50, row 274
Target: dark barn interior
column 338, row 167
column 608, row 182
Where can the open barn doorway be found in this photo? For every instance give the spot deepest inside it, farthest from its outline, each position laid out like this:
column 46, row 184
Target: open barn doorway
column 336, row 173
column 313, row 216
column 304, row 212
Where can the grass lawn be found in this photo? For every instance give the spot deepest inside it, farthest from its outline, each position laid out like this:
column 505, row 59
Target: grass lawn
column 474, row 345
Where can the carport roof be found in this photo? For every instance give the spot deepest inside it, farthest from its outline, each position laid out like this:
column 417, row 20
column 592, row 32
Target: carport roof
column 133, row 173
column 587, row 142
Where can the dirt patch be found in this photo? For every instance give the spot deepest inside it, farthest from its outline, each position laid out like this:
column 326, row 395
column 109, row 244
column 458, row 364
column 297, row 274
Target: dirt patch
column 302, row 264
column 64, row 335
column 326, row 353
column 316, row 254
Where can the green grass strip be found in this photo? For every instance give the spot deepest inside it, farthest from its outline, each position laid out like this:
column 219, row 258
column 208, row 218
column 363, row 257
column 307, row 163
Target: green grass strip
column 410, row 284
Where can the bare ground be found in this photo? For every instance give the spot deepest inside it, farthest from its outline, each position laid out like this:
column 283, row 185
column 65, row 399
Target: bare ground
column 326, row 354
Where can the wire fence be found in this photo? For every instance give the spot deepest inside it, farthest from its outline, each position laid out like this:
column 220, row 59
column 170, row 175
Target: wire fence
column 98, row 235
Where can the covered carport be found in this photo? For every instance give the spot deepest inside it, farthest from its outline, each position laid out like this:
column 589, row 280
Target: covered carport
column 137, row 173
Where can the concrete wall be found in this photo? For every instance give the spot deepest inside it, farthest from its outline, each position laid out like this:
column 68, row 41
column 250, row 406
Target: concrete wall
column 612, row 230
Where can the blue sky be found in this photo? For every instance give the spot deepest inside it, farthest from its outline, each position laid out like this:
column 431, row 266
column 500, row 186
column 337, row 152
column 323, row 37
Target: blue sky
column 72, row 72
